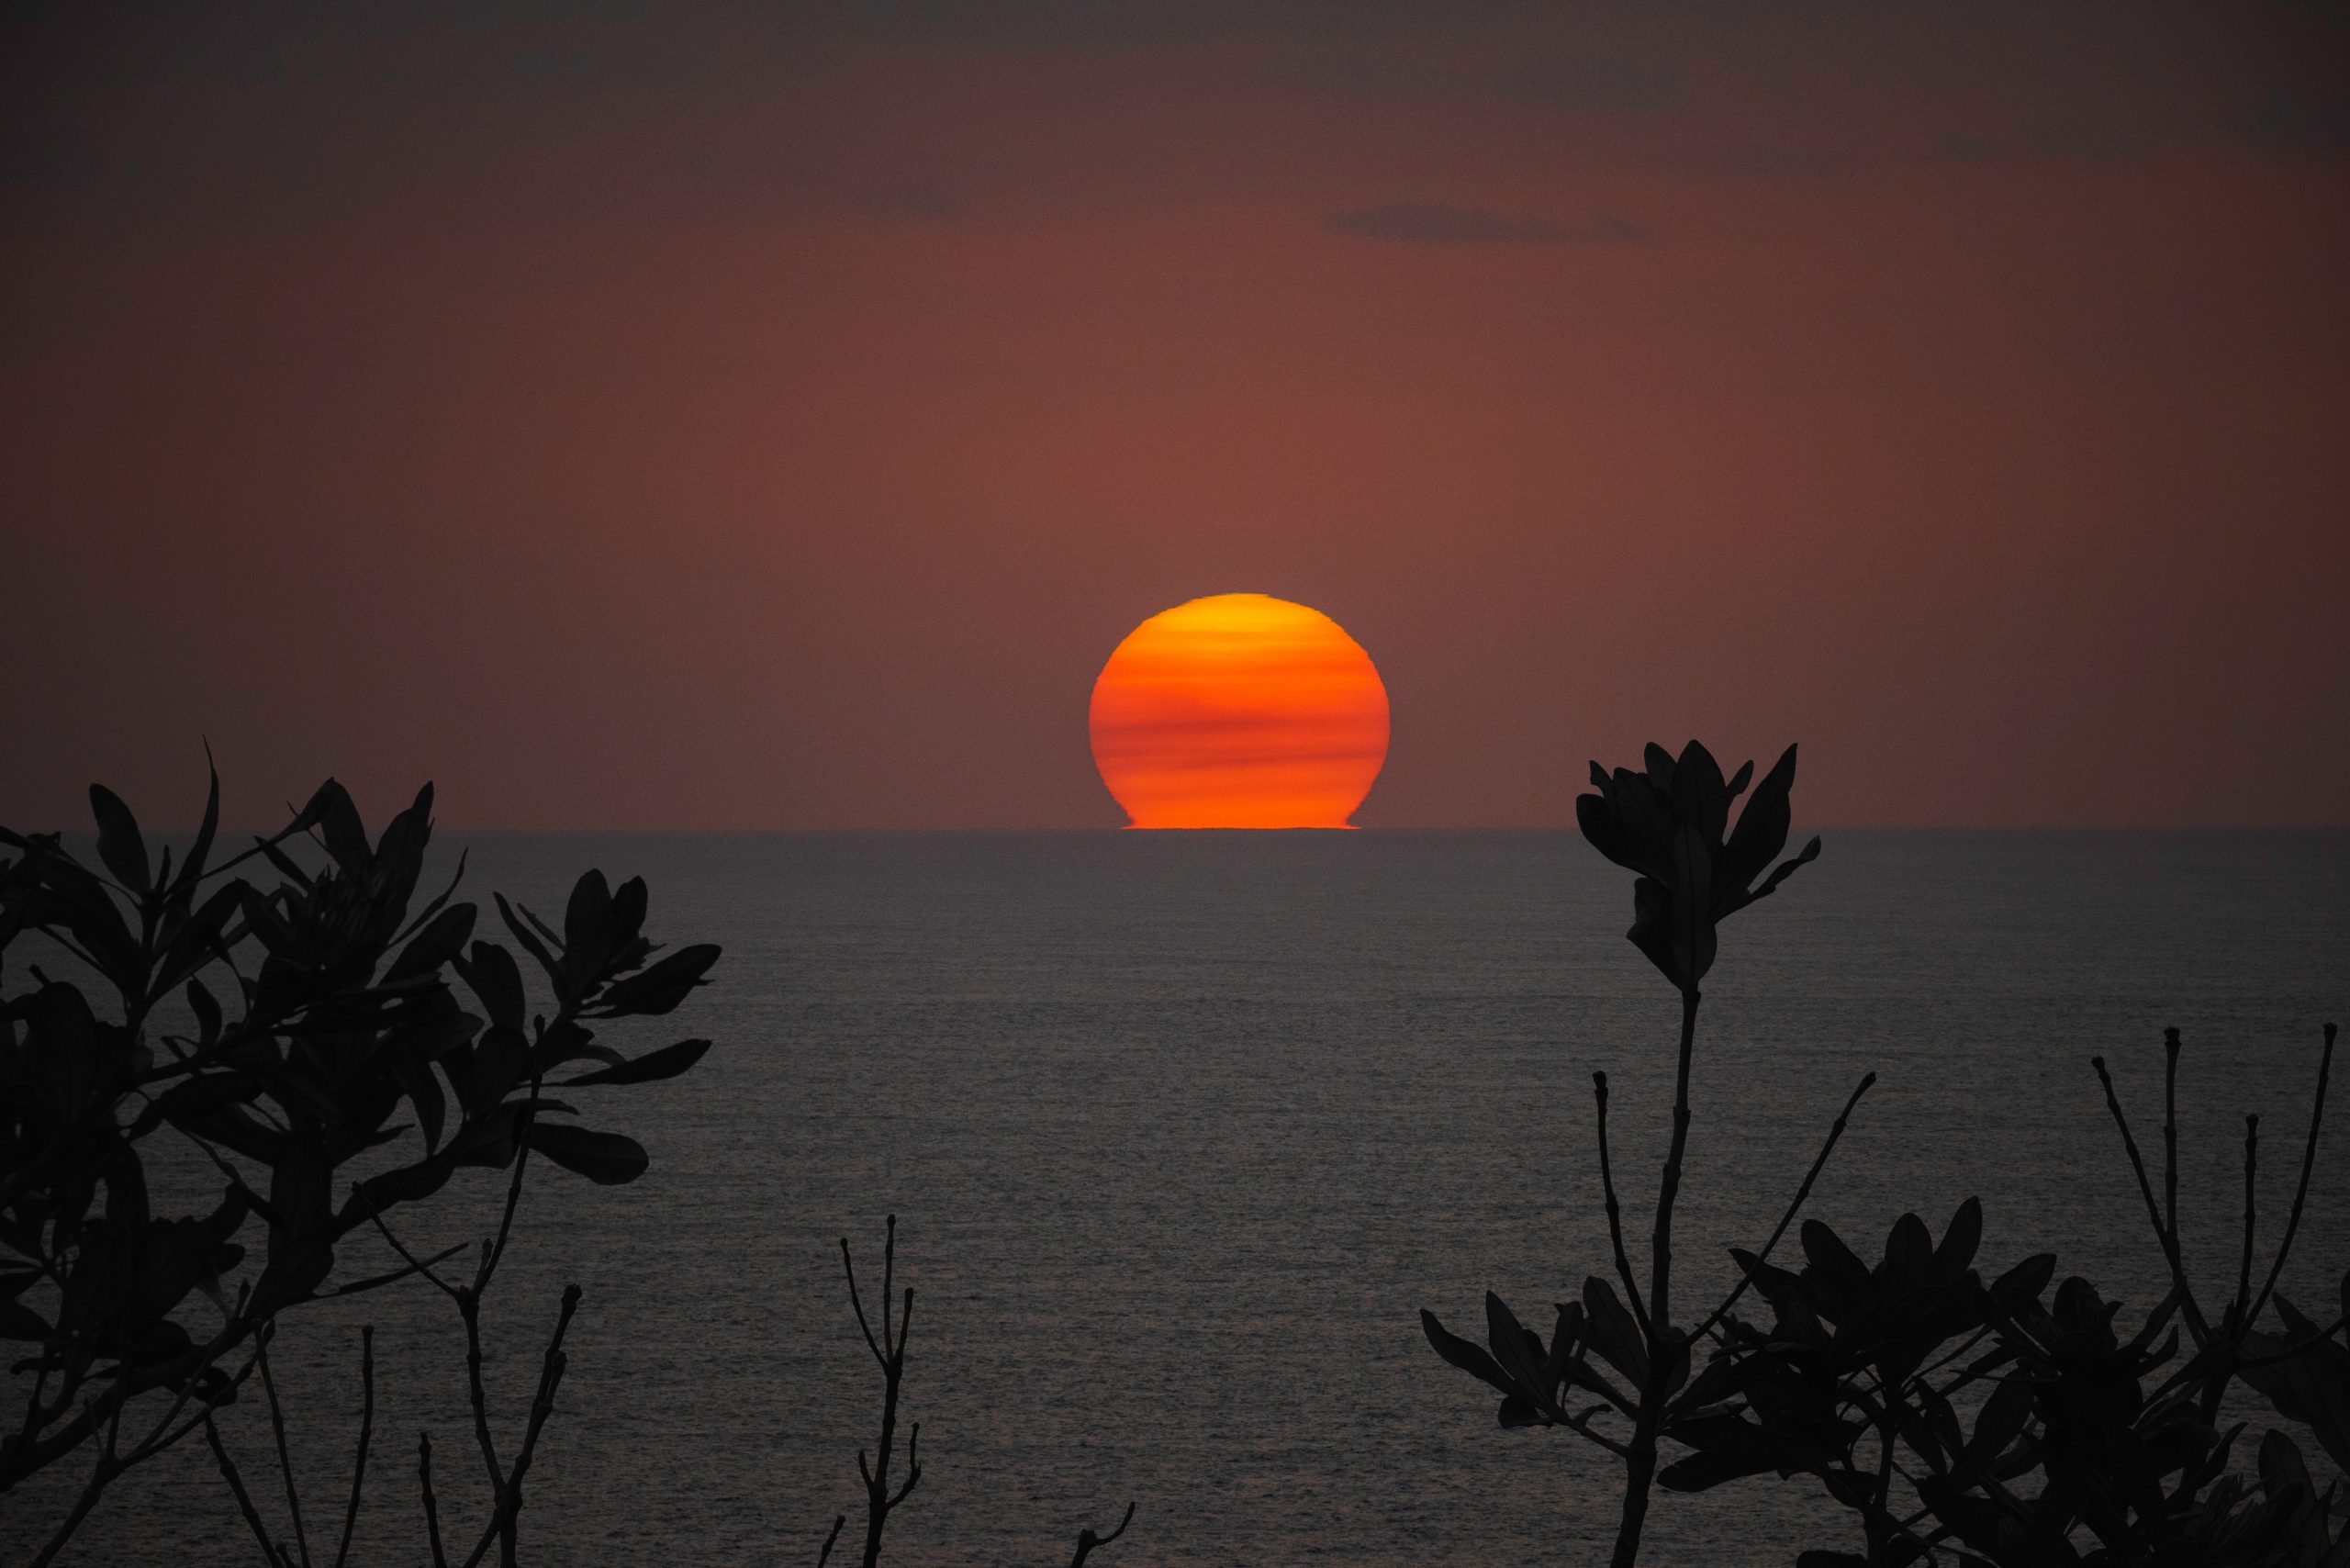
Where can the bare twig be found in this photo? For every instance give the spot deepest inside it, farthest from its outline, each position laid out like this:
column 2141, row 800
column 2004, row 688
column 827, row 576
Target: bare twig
column 271, row 1550
column 284, row 1458
column 432, row 1507
column 2170, row 1134
column 494, row 1252
column 509, row 1502
column 423, row 1266
column 2195, row 1320
column 2302, row 1190
column 1664, row 1346
column 367, row 1430
column 2237, row 1301
column 891, row 1352
column 1615, row 1210
column 469, row 1309
column 857, row 1300
column 839, row 1520
column 1087, row 1540
column 1802, row 1193
column 159, row 1437
column 100, row 1474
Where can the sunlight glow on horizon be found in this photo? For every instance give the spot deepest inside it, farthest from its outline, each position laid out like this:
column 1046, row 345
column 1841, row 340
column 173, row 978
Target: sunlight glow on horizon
column 1240, row 710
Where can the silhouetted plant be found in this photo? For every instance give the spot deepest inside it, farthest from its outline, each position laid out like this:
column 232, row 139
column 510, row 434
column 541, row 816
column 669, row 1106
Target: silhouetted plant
column 1861, row 1380
column 889, row 1350
column 2075, row 1429
column 348, row 1018
column 1666, row 824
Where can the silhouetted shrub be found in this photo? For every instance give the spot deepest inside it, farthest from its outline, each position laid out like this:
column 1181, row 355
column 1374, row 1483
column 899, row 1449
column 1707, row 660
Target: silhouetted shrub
column 1962, row 1421
column 324, row 1023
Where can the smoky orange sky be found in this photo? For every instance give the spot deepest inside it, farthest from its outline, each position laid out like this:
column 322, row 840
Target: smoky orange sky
column 773, row 415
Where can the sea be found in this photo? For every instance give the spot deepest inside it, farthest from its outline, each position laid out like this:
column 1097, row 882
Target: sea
column 1182, row 1131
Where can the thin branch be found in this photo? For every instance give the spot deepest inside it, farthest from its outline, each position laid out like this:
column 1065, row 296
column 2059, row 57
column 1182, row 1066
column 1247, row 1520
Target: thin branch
column 2244, row 1268
column 857, row 1300
column 1615, row 1210
column 2170, row 1134
column 913, row 1464
column 1669, row 1188
column 431, row 1507
column 284, row 1460
column 271, row 1552
column 424, row 1267
column 509, row 1502
column 838, row 1521
column 158, row 1439
column 2300, row 1192
column 496, row 1253
column 1581, row 1426
column 469, row 1309
column 2154, row 1213
column 99, row 1475
column 1802, row 1193
column 888, row 1263
column 1664, row 1346
column 376, row 1281
column 1087, row 1540
column 367, row 1430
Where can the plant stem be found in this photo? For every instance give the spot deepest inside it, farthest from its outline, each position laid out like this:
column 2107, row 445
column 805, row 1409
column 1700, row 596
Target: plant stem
column 1664, row 1343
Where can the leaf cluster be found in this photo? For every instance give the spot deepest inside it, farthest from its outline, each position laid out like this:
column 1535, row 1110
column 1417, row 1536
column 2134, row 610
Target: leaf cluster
column 295, row 1015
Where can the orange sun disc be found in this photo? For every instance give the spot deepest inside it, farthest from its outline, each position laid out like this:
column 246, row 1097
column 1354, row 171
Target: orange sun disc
column 1240, row 710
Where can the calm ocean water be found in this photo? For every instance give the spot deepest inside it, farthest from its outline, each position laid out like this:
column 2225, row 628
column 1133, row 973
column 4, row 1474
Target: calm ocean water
column 1182, row 1130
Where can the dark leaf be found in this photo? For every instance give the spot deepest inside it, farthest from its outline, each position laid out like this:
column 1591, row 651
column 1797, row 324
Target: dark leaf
column 18, row 1321
column 434, row 946
column 423, row 1086
column 496, row 982
column 1908, row 1253
column 607, row 1158
column 338, row 824
column 1700, row 799
column 1762, row 830
column 2281, row 1468
column 198, row 941
column 1518, row 1411
column 1999, row 1422
column 121, row 844
column 1660, row 767
column 207, row 1011
column 1517, row 1348
column 587, row 928
column 192, row 1100
column 1785, row 870
column 628, row 901
column 1470, row 1358
column 2025, row 1282
column 1727, row 1448
column 530, row 940
column 1614, row 1333
column 1837, row 1276
column 1958, row 1244
column 193, row 871
column 656, row 990
column 652, row 1066
column 1692, row 901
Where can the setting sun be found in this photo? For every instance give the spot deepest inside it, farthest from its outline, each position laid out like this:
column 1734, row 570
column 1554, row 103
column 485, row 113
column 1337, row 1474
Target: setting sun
column 1240, row 710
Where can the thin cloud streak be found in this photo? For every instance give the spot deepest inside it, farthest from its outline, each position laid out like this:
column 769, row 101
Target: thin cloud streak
column 1441, row 223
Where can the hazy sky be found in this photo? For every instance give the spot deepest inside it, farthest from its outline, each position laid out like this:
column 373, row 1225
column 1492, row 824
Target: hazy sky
column 686, row 416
